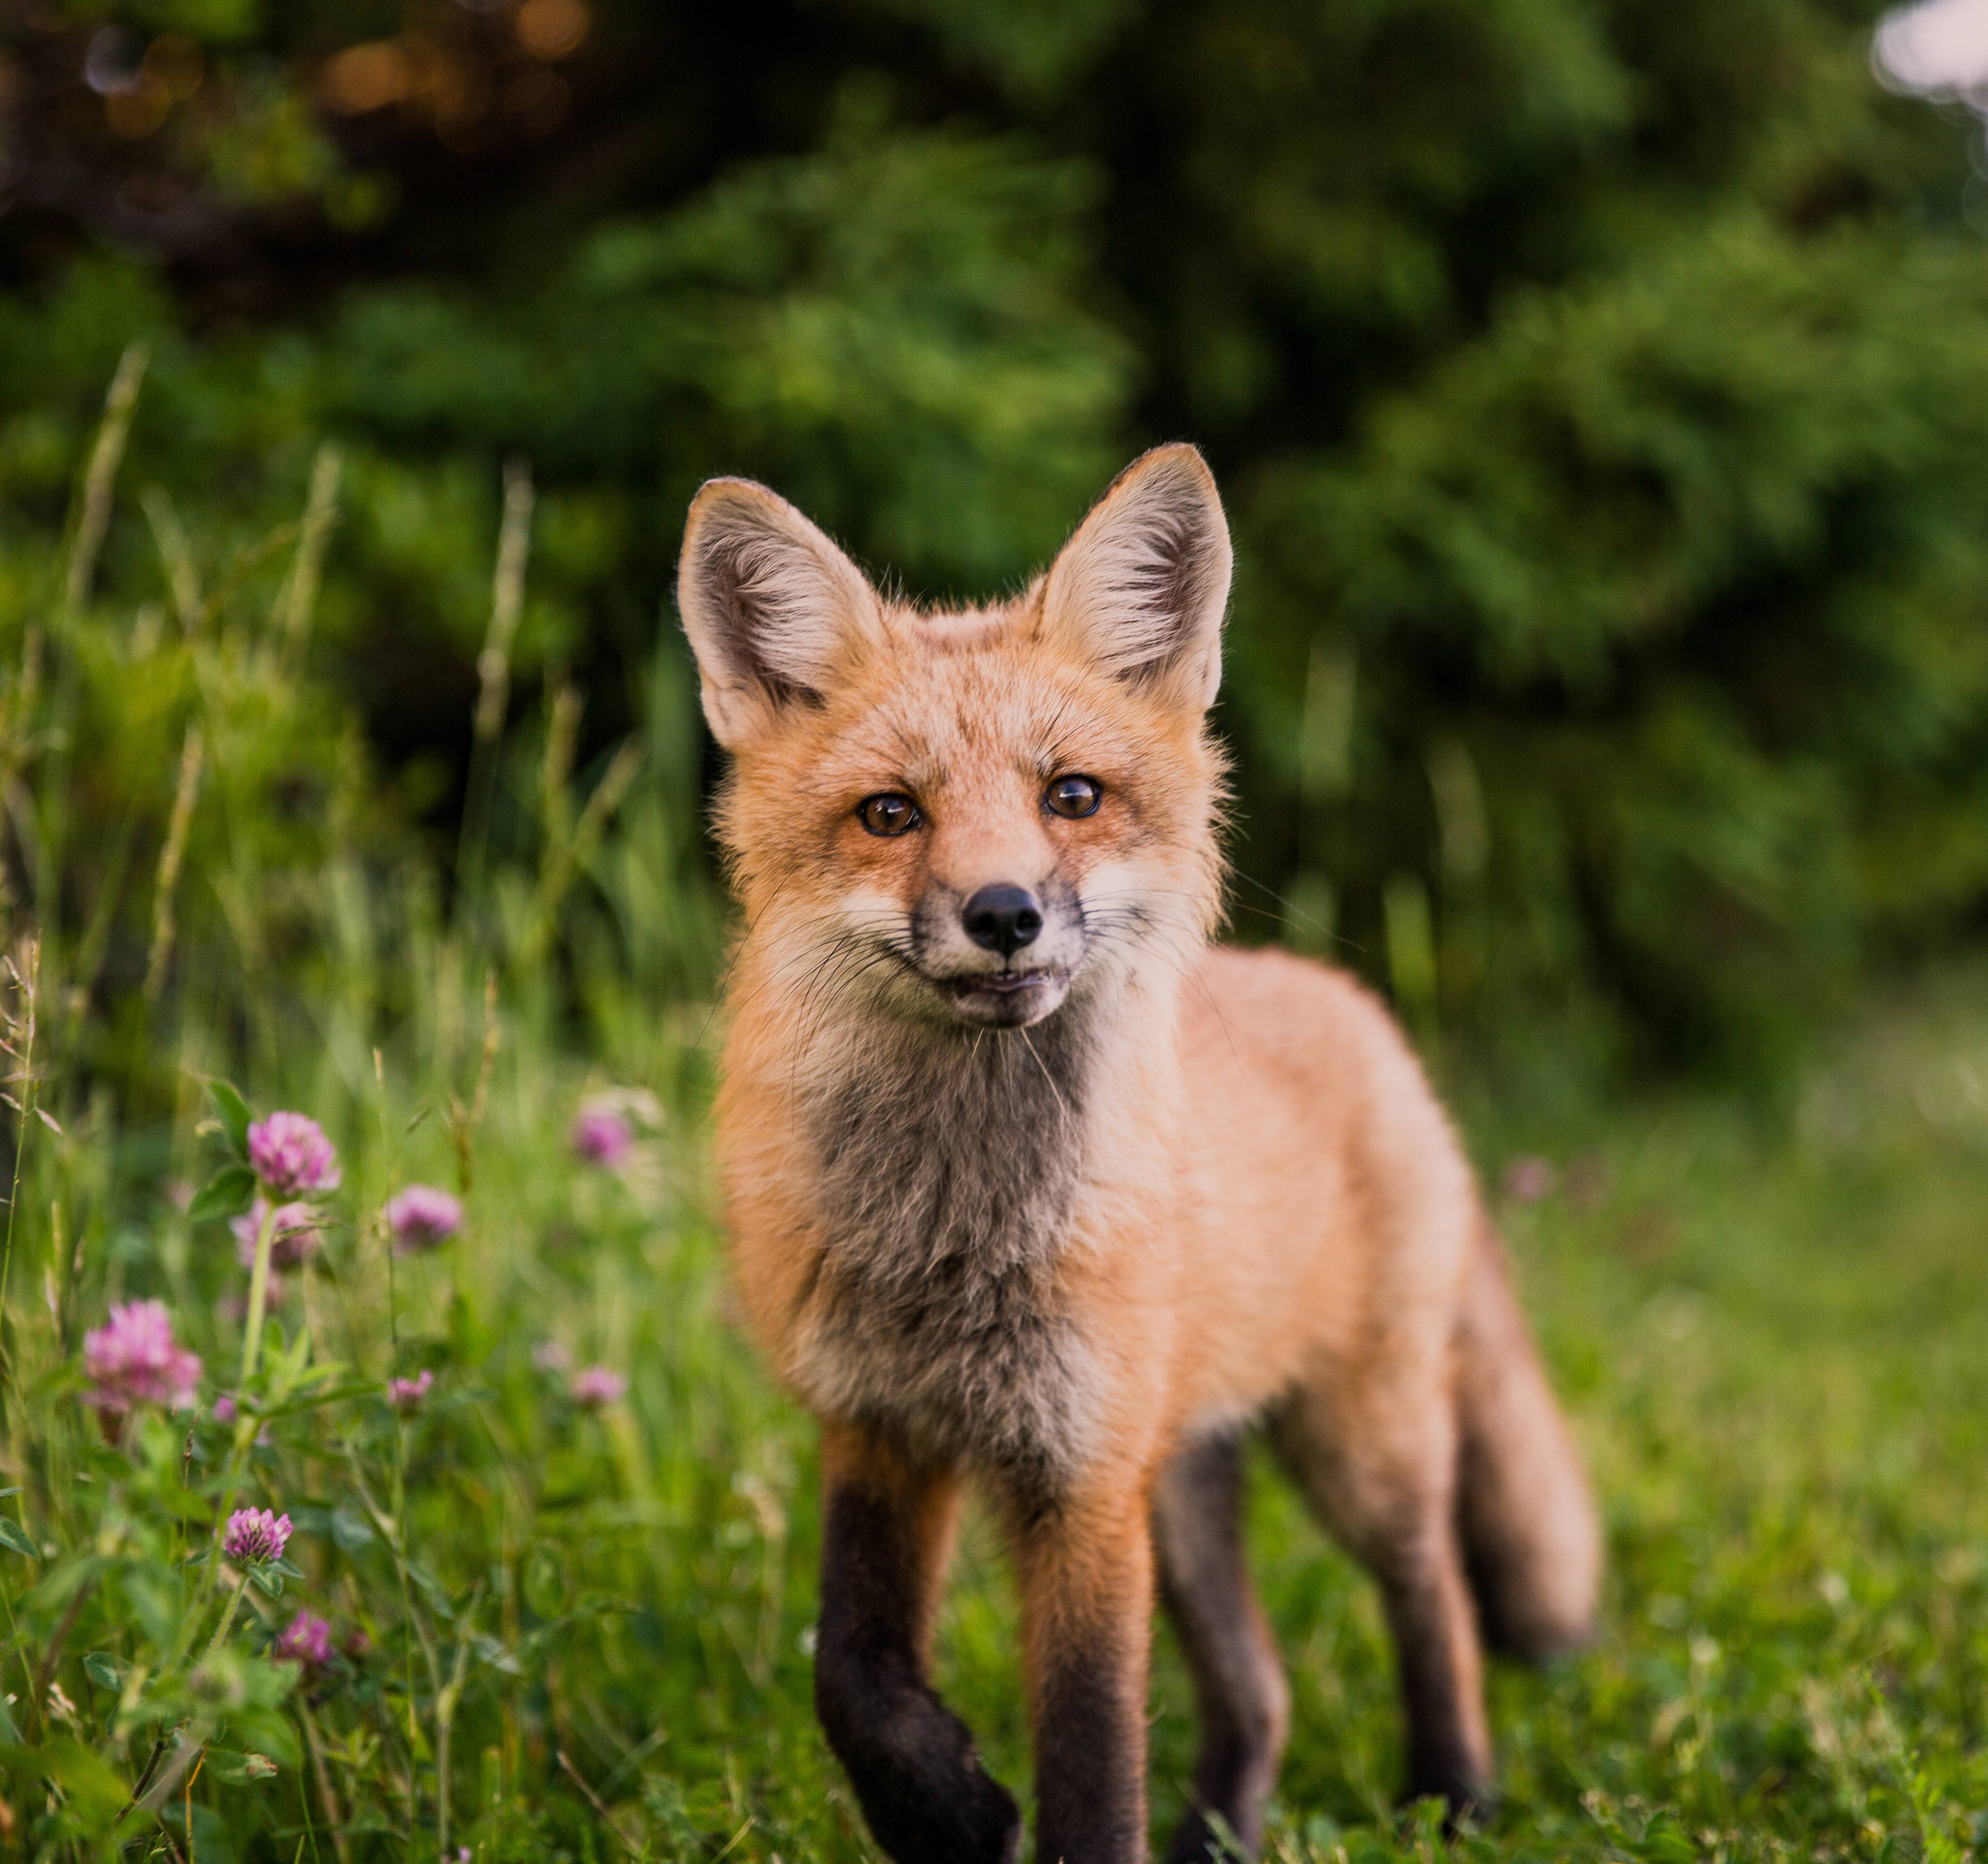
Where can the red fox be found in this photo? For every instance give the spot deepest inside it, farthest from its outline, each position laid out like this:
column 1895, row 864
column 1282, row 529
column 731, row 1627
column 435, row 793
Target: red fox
column 1028, row 1183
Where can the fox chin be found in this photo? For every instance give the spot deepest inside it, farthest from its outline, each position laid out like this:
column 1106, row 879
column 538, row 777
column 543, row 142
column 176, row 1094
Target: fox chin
column 1029, row 1184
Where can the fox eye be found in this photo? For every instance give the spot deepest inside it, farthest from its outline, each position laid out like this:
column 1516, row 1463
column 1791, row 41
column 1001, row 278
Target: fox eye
column 889, row 813
column 1074, row 796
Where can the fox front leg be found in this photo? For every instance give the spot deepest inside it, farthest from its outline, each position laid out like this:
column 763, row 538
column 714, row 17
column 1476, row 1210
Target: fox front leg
column 1087, row 1573
column 887, row 1530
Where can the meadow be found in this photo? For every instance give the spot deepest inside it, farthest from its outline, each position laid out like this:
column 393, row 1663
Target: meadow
column 547, row 1584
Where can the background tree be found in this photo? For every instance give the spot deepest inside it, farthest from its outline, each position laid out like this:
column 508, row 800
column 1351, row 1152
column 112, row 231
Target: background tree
column 1597, row 385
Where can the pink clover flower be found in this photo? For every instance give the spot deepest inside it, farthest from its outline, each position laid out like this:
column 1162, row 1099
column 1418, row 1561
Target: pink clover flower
column 594, row 1386
column 290, row 1154
column 306, row 1640
column 407, row 1396
column 133, row 1359
column 601, row 1136
column 255, row 1536
column 422, row 1218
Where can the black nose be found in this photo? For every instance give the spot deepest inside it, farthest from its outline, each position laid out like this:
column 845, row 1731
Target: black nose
column 1002, row 918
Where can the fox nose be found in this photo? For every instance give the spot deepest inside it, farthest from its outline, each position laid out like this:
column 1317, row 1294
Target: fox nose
column 1002, row 918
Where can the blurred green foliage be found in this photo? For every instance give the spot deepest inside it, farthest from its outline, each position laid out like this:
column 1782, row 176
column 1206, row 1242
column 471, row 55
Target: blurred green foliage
column 1597, row 385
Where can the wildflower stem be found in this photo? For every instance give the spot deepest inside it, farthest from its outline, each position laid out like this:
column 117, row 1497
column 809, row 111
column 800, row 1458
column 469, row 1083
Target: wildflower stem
column 27, row 1669
column 247, row 1425
column 52, row 1654
column 444, row 1713
column 334, row 1815
column 187, row 1802
column 259, row 1293
column 594, row 1798
column 228, row 1617
column 392, row 1531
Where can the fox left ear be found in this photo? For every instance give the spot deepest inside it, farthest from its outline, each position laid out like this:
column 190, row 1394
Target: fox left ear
column 773, row 610
column 1142, row 586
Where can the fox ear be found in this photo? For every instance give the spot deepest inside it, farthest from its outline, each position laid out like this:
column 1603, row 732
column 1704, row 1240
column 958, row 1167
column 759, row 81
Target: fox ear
column 771, row 606
column 1141, row 587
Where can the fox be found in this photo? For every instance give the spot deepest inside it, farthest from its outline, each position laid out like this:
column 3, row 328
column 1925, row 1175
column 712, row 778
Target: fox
column 1032, row 1187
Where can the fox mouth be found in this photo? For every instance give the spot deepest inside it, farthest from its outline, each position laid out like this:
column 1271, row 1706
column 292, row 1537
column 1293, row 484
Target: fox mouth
column 1003, row 998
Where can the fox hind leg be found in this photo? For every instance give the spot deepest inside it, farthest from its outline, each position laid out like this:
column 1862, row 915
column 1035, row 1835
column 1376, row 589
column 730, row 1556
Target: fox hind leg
column 1240, row 1694
column 1378, row 1466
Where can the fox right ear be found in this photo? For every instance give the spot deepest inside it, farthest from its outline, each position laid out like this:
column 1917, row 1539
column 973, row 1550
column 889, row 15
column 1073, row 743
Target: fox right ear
column 771, row 606
column 1140, row 590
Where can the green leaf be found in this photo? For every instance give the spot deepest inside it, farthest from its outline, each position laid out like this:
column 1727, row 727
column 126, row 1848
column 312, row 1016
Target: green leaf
column 351, row 1529
column 15, row 1537
column 228, row 1192
column 267, row 1580
column 269, row 1730
column 235, row 1115
column 316, row 1401
column 106, row 1672
column 92, row 1787
column 184, row 1502
column 493, row 1653
column 64, row 1580
column 294, row 1358
column 157, row 1599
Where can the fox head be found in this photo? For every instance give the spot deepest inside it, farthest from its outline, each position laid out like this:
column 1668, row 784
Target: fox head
column 968, row 816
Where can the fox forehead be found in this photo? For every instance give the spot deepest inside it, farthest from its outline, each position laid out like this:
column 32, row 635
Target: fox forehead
column 961, row 703
column 972, row 720
column 826, row 690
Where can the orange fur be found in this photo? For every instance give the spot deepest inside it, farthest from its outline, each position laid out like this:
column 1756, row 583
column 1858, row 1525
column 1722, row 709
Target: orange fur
column 1256, row 1209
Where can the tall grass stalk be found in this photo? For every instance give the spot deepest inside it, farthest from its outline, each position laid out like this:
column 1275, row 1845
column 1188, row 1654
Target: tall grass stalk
column 171, row 855
column 493, row 674
column 93, row 518
column 23, row 974
column 297, row 604
column 566, row 858
column 176, row 554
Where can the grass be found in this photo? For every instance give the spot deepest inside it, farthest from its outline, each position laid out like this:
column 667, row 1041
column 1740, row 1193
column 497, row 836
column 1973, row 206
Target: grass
column 571, row 1631
column 1770, row 1331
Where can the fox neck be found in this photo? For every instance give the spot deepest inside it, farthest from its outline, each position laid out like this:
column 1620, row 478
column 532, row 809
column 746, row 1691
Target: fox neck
column 954, row 1145
column 952, row 1167
column 936, row 1144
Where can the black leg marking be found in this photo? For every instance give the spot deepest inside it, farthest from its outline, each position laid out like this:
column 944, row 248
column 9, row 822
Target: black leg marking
column 1091, row 1731
column 1393, row 1506
column 1240, row 1690
column 1429, row 1611
column 1087, row 1572
column 909, row 1758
